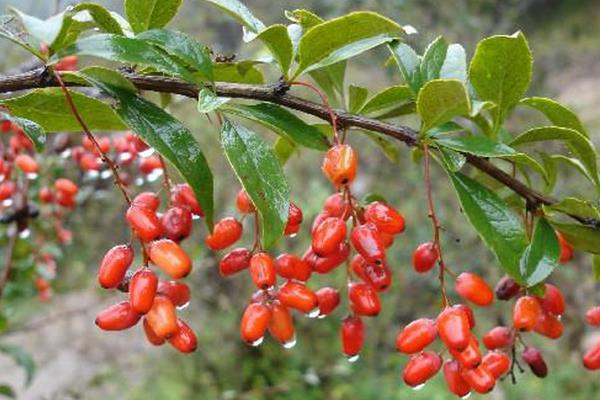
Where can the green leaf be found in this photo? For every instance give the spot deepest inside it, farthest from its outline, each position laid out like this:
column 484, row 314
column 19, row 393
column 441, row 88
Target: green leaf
column 278, row 41
column 166, row 134
column 596, row 268
column 238, row 11
column 237, row 73
column 575, row 163
column 455, row 63
column 126, row 50
column 103, row 18
column 12, row 28
column 389, row 97
column 388, row 147
column 7, row 391
column 433, row 59
column 494, row 221
column 373, row 197
column 43, row 31
column 440, row 100
column 208, row 101
column 33, row 131
column 581, row 237
column 483, row 146
column 500, row 71
column 260, row 173
column 574, row 206
column 48, row 108
column 282, row 122
column 541, row 256
column 22, row 358
column 453, row 160
column 357, row 96
column 148, row 14
column 558, row 114
column 342, row 38
column 409, row 63
column 183, row 47
column 577, row 142
column 284, row 149
column 331, row 78
column 306, row 19
column 551, row 170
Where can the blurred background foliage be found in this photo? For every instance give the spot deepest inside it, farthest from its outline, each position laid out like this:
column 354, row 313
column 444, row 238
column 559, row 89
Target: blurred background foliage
column 75, row 360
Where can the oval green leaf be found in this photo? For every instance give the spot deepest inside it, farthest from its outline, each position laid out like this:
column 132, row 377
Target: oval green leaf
column 149, row 14
column 440, row 100
column 541, row 256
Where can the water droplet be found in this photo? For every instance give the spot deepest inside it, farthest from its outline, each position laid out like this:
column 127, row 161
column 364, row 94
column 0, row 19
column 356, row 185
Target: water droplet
column 290, row 343
column 466, row 396
column 321, row 316
column 154, row 175
column 66, row 153
column 418, row 387
column 353, row 359
column 409, row 29
column 314, row 313
column 32, row 175
column 257, row 342
column 92, row 174
column 147, row 153
column 7, row 203
column 106, row 174
column 195, row 217
column 126, row 156
column 139, row 181
column 293, row 235
column 2, row 178
column 183, row 306
column 24, row 234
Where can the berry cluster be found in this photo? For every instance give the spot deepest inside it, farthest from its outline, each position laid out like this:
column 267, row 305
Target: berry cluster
column 591, row 359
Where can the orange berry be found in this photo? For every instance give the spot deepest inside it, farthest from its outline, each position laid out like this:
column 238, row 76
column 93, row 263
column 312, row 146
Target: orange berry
column 66, row 186
column 281, row 326
column 114, row 265
column 152, row 337
column 255, row 322
column 225, row 233
column 262, row 270
column 328, row 236
column 26, row 163
column 591, row 359
column 235, row 261
column 244, row 203
column 454, row 328
column 183, row 195
column 144, row 222
column 566, row 249
column 142, row 289
column 526, row 312
column 367, row 243
column 296, row 295
column 117, row 317
column 147, row 200
column 424, row 257
column 498, row 338
column 553, row 301
column 497, row 362
column 162, row 317
column 386, row 219
column 474, row 289
column 170, row 257
column 340, row 164
column 289, row 266
column 480, row 379
column 470, row 357
column 184, row 340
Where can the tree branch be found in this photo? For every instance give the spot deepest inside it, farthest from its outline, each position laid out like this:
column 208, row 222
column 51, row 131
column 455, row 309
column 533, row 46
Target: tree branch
column 272, row 93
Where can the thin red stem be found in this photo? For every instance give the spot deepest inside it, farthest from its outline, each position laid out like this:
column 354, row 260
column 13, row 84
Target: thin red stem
column 326, row 104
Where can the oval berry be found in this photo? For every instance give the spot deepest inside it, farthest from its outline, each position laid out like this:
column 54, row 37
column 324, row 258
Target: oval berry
column 290, row 266
column 421, row 368
column 144, row 222
column 592, row 316
column 507, row 288
column 170, row 257
column 526, row 312
column 386, row 218
column 225, row 233
column 184, row 340
column 177, row 292
column 177, row 223
column 262, row 270
column 470, row 357
column 328, row 236
column 591, row 359
column 114, row 265
column 553, row 301
column 281, row 326
column 117, row 317
column 424, row 257
column 549, row 325
column 296, row 295
column 566, row 249
column 142, row 289
column 328, row 299
column 352, row 333
column 340, row 164
column 324, row 265
column 496, row 362
column 183, row 195
column 367, row 243
column 454, row 329
column 66, row 186
column 479, row 379
column 243, row 203
column 535, row 359
column 416, row 336
column 147, row 200
column 474, row 289
column 162, row 317
column 364, row 300
column 378, row 276
column 235, row 261
column 152, row 337
column 498, row 338
column 454, row 380
column 255, row 321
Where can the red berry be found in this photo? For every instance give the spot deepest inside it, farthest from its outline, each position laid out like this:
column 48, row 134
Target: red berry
column 67, row 63
column 255, row 321
column 469, row 313
column 498, row 338
column 65, row 200
column 149, row 164
column 496, row 362
column 281, row 326
column 507, row 288
column 177, row 223
column 235, row 261
column 177, row 292
column 183, row 195
column 336, row 206
column 162, row 317
column 117, row 317
column 534, row 358
column 66, row 186
column 294, row 215
column 424, row 257
column 184, row 340
column 26, row 164
column 324, row 265
column 353, row 336
column 421, row 368
column 470, row 357
column 144, row 222
column 454, row 380
column 549, row 325
column 386, row 219
column 378, row 276
column 262, row 270
column 152, row 337
column 114, row 265
column 364, row 300
column 480, row 379
column 147, row 200
column 471, row 287
column 7, row 189
column 566, row 249
column 526, row 312
column 243, row 203
column 289, row 266
column 553, row 301
column 170, row 257
column 454, row 329
column 296, row 295
column 225, row 233
column 340, row 164
column 416, row 336
column 328, row 236
column 591, row 359
column 328, row 299
column 592, row 316
column 142, row 289
column 367, row 243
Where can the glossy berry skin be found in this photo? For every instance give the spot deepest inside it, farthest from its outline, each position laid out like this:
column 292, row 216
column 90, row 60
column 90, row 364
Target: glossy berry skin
column 46, row 195
column 498, row 338
column 162, row 317
column 592, row 316
column 281, row 325
column 144, row 222
column 479, row 379
column 262, row 270
column 295, row 215
column 454, row 380
column 474, row 289
column 468, row 312
column 114, row 265
column 184, row 340
column 255, row 322
column 421, row 368
column 549, row 325
column 296, row 295
column 526, row 313
column 324, row 265
column 177, row 292
column 243, row 203
column 553, row 301
column 454, row 329
column 142, row 290
column 235, row 261
column 183, row 195
column 386, row 219
column 225, row 233
column 152, row 337
column 147, row 200
column 507, row 288
column 378, row 276
column 7, row 189
column 591, row 359
column 65, row 200
column 177, row 223
column 424, row 257
column 416, row 336
column 566, row 249
column 26, row 163
column 364, row 300
column 534, row 358
column 470, row 357
column 352, row 333
column 117, row 317
column 336, row 206
column 497, row 363
column 170, row 257
column 340, row 164
column 290, row 266
column 367, row 243
column 328, row 236
column 66, row 186
column 328, row 299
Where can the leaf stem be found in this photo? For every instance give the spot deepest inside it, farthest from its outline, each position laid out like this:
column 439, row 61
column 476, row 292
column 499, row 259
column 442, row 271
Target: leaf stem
column 325, row 101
